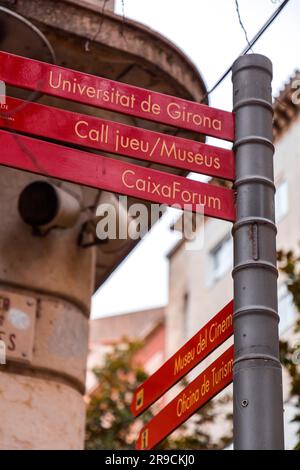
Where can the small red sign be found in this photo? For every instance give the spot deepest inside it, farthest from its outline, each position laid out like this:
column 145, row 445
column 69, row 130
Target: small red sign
column 112, row 137
column 115, row 96
column 212, row 335
column 84, row 168
column 206, row 386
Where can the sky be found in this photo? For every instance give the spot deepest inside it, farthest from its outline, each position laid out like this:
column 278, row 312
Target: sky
column 209, row 33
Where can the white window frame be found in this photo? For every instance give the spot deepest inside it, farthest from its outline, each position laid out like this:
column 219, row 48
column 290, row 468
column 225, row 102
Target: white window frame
column 281, row 199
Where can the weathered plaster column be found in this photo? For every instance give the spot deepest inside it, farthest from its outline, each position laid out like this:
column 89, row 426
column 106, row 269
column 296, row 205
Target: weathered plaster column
column 45, row 285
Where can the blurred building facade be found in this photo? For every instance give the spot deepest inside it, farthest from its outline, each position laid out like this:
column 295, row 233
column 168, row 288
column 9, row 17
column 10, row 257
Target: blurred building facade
column 46, row 282
column 200, row 281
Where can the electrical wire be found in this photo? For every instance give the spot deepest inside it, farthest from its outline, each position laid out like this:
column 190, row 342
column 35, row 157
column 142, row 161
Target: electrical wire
column 88, row 41
column 258, row 35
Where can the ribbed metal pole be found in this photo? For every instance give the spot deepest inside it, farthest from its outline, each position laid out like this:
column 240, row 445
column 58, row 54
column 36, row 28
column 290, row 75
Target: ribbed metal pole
column 257, row 386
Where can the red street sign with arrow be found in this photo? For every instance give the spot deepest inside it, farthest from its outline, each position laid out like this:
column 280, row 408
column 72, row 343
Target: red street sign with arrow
column 116, row 176
column 212, row 335
column 207, row 385
column 115, row 96
column 113, row 137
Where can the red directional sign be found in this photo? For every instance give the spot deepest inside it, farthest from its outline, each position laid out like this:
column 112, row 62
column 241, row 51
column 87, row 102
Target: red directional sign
column 207, row 385
column 91, row 132
column 212, row 335
column 113, row 175
column 115, row 96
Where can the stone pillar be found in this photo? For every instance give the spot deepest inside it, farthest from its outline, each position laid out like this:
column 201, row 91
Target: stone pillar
column 48, row 282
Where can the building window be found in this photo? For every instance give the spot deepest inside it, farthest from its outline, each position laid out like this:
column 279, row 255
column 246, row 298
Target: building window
column 286, row 309
column 222, row 258
column 281, row 200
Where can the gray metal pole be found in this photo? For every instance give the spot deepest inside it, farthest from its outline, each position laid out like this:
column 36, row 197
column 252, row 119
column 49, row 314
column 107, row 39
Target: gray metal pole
column 257, row 384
